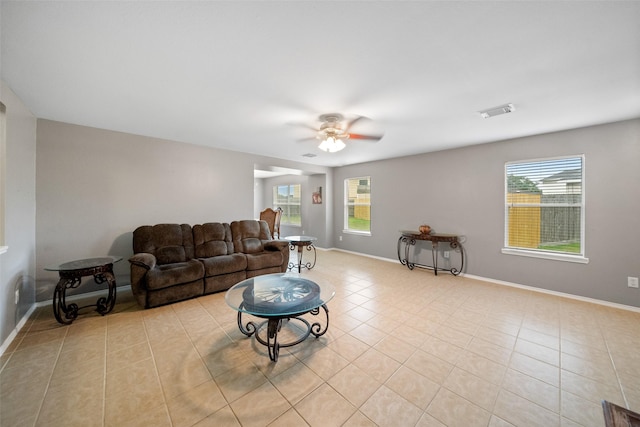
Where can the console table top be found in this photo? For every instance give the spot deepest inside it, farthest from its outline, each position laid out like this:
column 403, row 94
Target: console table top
column 443, row 237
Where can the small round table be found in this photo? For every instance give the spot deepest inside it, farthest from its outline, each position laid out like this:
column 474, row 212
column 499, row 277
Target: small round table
column 71, row 274
column 301, row 242
column 278, row 298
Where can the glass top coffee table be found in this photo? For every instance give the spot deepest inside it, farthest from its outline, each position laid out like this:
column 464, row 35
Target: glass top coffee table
column 279, row 298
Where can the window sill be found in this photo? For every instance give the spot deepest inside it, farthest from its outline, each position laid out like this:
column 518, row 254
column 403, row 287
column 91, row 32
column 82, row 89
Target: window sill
column 546, row 255
column 357, row 233
column 3, row 249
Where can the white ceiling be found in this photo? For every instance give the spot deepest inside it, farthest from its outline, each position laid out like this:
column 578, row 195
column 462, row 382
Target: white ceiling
column 243, row 75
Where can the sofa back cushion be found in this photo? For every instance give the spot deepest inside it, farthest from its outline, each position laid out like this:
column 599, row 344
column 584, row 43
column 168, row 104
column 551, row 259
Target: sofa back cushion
column 212, row 239
column 248, row 236
column 169, row 243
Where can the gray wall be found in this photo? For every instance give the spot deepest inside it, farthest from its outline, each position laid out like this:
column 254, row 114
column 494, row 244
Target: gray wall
column 94, row 187
column 462, row 191
column 17, row 265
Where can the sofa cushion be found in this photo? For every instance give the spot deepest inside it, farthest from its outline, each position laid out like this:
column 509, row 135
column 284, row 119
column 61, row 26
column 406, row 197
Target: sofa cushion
column 224, row 282
column 224, row 264
column 264, row 260
column 164, row 276
column 170, row 254
column 172, row 294
column 248, row 236
column 212, row 239
column 251, row 245
column 163, row 241
column 211, row 248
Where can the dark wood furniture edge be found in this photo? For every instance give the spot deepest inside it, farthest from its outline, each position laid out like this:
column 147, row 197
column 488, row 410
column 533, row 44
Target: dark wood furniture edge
column 617, row 416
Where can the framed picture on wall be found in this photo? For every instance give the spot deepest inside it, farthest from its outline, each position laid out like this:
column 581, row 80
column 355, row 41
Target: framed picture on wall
column 316, row 196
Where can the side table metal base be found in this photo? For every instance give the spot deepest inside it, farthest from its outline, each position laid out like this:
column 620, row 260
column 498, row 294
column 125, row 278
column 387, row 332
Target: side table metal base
column 300, row 265
column 66, row 314
column 274, row 324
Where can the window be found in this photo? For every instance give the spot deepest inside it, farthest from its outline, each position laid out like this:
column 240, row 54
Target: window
column 357, row 205
column 544, row 208
column 287, row 197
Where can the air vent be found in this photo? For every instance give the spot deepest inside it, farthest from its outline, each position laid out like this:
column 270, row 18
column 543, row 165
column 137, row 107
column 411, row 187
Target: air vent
column 496, row 111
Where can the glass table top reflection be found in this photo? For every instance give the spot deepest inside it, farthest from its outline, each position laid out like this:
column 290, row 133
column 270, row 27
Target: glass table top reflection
column 278, row 294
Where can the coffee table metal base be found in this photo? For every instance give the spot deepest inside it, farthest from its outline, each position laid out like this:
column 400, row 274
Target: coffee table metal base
column 274, row 324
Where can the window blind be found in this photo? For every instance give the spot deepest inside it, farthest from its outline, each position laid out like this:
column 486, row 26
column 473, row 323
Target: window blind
column 544, row 205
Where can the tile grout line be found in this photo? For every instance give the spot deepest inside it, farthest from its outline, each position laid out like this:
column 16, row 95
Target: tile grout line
column 104, row 383
column 513, row 350
column 44, row 395
column 560, row 411
column 615, row 370
column 228, row 404
column 155, row 367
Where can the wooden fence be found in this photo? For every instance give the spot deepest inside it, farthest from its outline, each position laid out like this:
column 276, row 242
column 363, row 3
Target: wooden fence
column 532, row 226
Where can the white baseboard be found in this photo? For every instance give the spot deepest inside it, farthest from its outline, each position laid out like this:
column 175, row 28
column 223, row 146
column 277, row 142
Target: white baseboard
column 364, row 255
column 7, row 342
column 555, row 293
column 94, row 294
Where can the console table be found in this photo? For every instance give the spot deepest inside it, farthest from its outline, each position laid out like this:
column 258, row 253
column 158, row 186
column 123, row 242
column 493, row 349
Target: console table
column 409, row 238
column 71, row 274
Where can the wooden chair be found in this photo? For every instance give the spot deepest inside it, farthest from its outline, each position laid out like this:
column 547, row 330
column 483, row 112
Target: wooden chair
column 272, row 217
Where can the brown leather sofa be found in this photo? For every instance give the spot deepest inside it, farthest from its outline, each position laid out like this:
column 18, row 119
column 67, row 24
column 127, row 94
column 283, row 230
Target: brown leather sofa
column 174, row 262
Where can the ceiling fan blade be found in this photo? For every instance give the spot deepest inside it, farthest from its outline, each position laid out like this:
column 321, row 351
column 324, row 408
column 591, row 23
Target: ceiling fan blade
column 311, row 138
column 374, row 138
column 303, row 125
column 354, row 121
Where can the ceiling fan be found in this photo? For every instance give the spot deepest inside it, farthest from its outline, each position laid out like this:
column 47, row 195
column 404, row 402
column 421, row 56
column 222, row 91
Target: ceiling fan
column 334, row 130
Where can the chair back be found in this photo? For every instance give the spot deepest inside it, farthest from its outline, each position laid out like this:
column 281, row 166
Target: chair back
column 272, row 217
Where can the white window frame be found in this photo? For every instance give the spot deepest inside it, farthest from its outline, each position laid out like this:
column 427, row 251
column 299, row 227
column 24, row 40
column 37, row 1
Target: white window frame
column 347, row 205
column 538, row 253
column 286, row 211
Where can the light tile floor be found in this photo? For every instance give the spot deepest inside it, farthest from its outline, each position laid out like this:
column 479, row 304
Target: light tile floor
column 404, row 348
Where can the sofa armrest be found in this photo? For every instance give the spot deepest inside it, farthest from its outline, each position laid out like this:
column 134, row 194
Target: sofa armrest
column 144, row 260
column 281, row 246
column 275, row 245
column 140, row 265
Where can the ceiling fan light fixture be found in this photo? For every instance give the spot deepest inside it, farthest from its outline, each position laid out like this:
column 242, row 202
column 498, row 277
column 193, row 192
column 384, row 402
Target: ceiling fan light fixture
column 496, row 111
column 331, row 145
column 333, row 132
